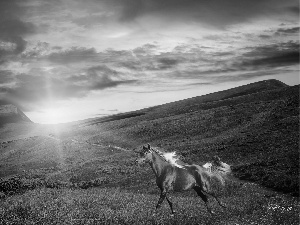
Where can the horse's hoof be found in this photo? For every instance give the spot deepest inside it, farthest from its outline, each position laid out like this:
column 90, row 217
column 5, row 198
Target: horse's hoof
column 212, row 212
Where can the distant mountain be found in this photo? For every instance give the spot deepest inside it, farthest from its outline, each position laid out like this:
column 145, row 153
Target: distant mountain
column 12, row 114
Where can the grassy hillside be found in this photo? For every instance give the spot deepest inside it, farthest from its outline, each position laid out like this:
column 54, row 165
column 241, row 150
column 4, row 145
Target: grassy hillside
column 257, row 133
column 86, row 170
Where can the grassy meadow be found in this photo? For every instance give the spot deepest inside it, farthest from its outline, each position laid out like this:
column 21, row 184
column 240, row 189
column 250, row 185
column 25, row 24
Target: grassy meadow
column 249, row 205
column 85, row 172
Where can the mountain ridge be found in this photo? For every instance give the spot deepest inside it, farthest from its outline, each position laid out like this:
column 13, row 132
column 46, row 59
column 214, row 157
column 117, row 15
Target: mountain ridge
column 10, row 113
column 248, row 89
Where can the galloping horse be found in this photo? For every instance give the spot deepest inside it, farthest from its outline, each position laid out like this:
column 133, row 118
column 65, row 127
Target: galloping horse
column 174, row 175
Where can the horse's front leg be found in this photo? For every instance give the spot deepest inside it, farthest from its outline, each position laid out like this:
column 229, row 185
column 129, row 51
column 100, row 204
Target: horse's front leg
column 161, row 199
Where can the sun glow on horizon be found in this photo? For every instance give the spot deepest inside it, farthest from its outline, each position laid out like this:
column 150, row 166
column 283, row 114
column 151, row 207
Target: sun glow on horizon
column 54, row 115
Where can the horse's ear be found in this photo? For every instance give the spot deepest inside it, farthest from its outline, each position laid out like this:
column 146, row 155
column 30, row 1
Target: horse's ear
column 149, row 147
column 145, row 148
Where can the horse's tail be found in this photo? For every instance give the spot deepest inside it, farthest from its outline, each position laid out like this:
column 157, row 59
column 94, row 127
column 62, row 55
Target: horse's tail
column 221, row 167
column 224, row 169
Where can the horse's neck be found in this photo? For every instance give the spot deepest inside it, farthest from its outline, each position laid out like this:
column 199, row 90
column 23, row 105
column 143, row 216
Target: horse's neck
column 157, row 164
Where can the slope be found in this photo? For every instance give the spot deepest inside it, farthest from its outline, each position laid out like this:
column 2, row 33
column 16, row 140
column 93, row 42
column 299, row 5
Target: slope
column 253, row 127
column 11, row 114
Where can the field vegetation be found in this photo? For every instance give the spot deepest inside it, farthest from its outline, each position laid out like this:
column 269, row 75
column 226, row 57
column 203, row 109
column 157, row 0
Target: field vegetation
column 85, row 172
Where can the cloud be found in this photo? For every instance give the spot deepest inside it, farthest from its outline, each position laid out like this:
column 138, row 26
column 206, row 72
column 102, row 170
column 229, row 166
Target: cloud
column 217, row 13
column 287, row 31
column 294, row 9
column 265, row 36
column 73, row 55
column 101, row 77
column 37, row 51
column 32, row 88
column 167, row 63
column 252, row 62
column 64, row 73
column 273, row 55
column 144, row 50
column 13, row 29
column 6, row 77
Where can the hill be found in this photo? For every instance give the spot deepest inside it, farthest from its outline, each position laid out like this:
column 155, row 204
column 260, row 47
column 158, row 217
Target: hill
column 254, row 128
column 11, row 114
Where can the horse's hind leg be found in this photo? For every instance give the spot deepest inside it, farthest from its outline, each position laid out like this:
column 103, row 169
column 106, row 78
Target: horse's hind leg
column 218, row 200
column 215, row 197
column 170, row 204
column 204, row 198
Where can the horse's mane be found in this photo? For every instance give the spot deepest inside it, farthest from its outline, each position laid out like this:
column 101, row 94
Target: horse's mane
column 170, row 157
column 215, row 166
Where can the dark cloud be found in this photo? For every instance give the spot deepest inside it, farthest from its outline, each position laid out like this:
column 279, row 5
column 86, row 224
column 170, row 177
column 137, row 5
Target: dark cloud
column 12, row 28
column 227, row 66
column 167, row 63
column 6, row 76
column 294, row 9
column 274, row 55
column 265, row 36
column 101, row 77
column 10, row 9
column 214, row 12
column 287, row 31
column 276, row 60
column 30, row 89
column 257, row 58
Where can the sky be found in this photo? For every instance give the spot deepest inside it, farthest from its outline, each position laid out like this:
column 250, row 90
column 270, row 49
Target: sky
column 68, row 60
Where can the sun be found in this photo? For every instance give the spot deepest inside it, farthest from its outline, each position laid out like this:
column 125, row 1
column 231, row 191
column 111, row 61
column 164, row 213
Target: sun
column 54, row 115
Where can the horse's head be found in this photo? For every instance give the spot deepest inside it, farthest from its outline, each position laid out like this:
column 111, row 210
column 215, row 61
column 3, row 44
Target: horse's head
column 144, row 155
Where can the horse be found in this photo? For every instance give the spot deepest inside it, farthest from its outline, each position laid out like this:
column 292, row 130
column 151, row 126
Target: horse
column 174, row 175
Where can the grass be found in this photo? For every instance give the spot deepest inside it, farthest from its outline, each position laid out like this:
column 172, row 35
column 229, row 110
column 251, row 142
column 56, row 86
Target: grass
column 84, row 172
column 249, row 205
